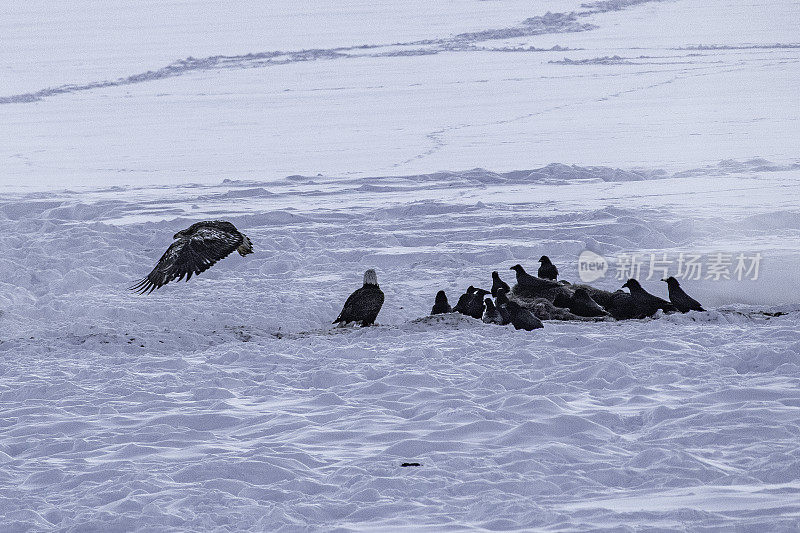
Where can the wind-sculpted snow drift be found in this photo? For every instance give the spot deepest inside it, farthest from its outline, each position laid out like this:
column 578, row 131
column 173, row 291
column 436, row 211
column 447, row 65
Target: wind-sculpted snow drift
column 229, row 402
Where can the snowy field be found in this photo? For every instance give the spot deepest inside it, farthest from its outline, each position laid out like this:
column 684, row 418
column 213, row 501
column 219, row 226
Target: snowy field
column 346, row 137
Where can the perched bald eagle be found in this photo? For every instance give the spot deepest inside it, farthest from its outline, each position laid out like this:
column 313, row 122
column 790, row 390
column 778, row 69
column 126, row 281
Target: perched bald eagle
column 364, row 304
column 196, row 249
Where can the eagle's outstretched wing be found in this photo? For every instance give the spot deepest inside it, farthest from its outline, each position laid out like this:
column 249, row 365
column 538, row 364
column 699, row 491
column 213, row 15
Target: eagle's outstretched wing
column 191, row 254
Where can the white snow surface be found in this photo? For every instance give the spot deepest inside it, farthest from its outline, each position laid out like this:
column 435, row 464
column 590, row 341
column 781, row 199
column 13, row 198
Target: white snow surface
column 321, row 130
column 199, row 91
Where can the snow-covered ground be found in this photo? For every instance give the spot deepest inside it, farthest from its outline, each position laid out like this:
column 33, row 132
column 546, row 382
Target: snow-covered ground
column 339, row 138
column 198, row 91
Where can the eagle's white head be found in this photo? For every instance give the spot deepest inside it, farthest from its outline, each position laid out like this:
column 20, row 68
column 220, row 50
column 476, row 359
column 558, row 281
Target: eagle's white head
column 370, row 277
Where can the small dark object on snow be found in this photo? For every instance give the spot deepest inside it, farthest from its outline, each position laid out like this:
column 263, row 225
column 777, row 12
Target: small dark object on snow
column 441, row 305
column 411, row 464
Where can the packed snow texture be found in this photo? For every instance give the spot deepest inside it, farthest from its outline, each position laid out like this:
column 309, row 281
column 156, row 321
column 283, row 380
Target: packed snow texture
column 230, row 403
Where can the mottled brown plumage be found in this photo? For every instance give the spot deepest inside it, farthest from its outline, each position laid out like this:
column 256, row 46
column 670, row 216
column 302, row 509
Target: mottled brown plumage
column 196, row 249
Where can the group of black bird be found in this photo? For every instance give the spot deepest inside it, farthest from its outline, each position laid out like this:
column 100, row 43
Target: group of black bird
column 533, row 298
column 543, row 297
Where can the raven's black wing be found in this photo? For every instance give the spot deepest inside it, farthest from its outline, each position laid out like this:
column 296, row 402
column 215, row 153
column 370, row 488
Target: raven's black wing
column 684, row 302
column 190, row 255
column 548, row 271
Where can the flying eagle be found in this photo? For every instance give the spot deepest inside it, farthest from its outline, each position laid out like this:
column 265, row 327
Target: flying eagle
column 364, row 304
column 196, row 249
